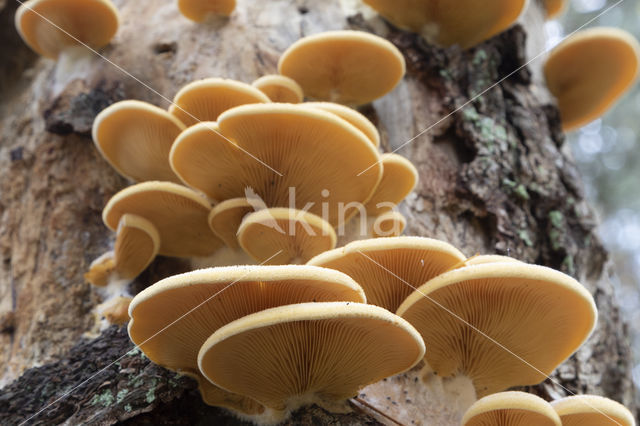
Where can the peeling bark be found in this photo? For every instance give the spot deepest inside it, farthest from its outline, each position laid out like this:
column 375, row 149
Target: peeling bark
column 495, row 176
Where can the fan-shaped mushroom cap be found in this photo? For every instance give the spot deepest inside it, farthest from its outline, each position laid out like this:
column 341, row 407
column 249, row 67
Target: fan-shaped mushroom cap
column 349, row 67
column 390, row 269
column 352, row 116
column 592, row 410
column 178, row 213
column 317, row 153
column 172, row 318
column 135, row 138
column 500, row 324
column 511, row 409
column 279, row 88
column 205, row 100
column 555, row 8
column 297, row 236
column 389, row 224
column 137, row 244
column 200, row 10
column 324, row 350
column 225, row 219
column 213, row 395
column 462, row 22
column 589, row 71
column 92, row 22
column 399, row 177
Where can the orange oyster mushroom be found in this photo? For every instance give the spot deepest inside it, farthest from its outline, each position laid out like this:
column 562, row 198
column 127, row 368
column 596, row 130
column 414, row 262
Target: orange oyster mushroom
column 51, row 27
column 347, row 67
column 276, row 149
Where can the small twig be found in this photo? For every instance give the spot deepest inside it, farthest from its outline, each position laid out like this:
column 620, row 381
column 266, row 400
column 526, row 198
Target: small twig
column 371, row 407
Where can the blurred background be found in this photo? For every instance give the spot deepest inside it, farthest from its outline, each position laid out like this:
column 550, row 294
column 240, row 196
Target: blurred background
column 608, row 154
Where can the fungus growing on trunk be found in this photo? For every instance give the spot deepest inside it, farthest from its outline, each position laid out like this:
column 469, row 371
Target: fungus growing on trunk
column 53, row 28
column 172, row 319
column 135, row 138
column 178, row 213
column 498, row 325
column 348, row 67
column 462, row 22
column 589, row 71
column 319, row 353
column 137, row 244
column 315, row 152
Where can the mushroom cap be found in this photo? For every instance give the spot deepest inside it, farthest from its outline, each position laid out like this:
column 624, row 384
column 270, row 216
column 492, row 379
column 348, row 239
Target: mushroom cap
column 178, row 213
column 200, row 10
column 352, row 116
column 172, row 318
column 390, row 269
column 462, row 22
column 135, row 138
column 399, row 177
column 295, row 235
column 555, row 8
column 348, row 67
column 225, row 219
column 92, row 22
column 511, row 409
column 137, row 244
column 389, row 224
column 500, row 324
column 592, row 410
column 205, row 100
column 213, row 395
column 313, row 150
column 328, row 350
column 589, row 71
column 279, row 88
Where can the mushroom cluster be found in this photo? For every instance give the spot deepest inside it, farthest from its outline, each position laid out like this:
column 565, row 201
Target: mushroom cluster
column 219, row 139
column 217, row 168
column 538, row 316
column 402, row 293
column 318, row 340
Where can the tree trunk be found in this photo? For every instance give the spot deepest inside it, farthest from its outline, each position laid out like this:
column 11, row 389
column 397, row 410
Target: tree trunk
column 495, row 176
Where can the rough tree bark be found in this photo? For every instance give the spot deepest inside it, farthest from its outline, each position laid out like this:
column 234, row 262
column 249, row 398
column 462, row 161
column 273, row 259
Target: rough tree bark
column 494, row 177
